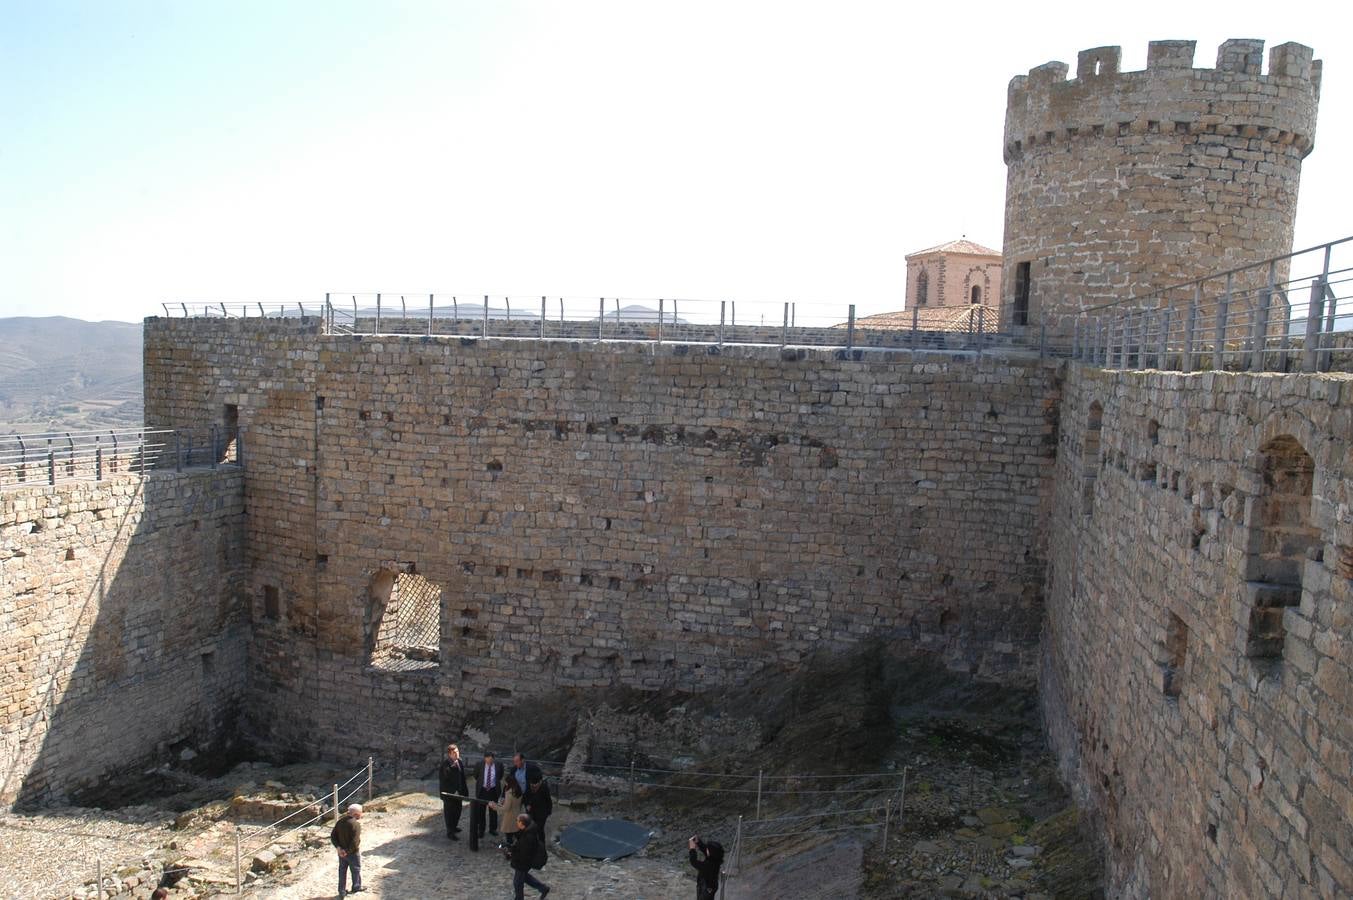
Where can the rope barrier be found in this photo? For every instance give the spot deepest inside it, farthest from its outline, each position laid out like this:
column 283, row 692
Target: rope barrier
column 263, row 828
column 812, row 832
column 843, row 812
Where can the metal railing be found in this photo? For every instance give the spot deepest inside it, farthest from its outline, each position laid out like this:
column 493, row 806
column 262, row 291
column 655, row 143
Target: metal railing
column 661, row 321
column 60, row 456
column 1286, row 314
column 624, row 319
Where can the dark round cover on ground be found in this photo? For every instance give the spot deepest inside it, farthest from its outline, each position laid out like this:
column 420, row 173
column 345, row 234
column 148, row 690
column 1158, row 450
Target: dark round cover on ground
column 604, row 838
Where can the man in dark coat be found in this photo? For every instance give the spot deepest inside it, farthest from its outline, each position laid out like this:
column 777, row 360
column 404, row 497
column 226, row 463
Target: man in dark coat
column 538, row 803
column 706, row 868
column 451, row 777
column 488, row 779
column 526, row 854
column 524, row 772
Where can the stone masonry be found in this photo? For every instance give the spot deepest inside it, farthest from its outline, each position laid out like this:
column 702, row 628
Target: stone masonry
column 671, row 516
column 1119, row 183
column 121, row 639
column 1219, row 767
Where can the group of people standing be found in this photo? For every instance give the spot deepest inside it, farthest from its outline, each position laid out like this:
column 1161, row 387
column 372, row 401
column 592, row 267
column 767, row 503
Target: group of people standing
column 519, row 797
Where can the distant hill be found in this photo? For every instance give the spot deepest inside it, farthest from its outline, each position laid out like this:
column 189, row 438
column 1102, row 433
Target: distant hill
column 60, row 374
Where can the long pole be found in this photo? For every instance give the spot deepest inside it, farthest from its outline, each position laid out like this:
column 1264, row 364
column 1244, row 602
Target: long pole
column 98, row 886
column 758, row 793
column 887, row 819
column 370, row 782
column 238, row 881
column 335, row 796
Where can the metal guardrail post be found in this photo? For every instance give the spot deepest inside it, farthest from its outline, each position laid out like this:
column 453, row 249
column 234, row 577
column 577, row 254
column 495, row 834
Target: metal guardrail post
column 1189, row 329
column 784, row 328
column 455, row 313
column 335, row 803
column 887, row 818
column 430, row 298
column 915, row 312
column 51, row 464
column 723, row 311
column 1163, row 339
column 850, row 328
column 660, row 313
column 1259, row 337
column 486, row 316
column 239, row 885
column 98, row 461
column 1315, row 313
column 601, row 315
column 378, row 314
column 370, row 772
column 1219, row 326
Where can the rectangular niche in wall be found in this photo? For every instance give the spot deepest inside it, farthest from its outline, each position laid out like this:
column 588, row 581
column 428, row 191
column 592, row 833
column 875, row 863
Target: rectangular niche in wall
column 405, row 618
column 1176, row 654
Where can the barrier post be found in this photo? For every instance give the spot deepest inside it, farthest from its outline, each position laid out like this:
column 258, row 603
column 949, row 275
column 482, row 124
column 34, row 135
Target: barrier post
column 430, row 315
column 850, row 328
column 542, row 318
column 723, row 311
column 239, row 884
column 1189, row 327
column 98, row 884
column 758, row 793
column 887, row 820
column 486, row 316
column 784, row 329
column 631, row 774
column 378, row 314
column 335, row 796
column 370, row 772
column 601, row 315
column 660, row 314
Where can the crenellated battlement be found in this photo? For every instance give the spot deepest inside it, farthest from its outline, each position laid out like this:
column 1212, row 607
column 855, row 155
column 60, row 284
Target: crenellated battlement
column 1169, row 96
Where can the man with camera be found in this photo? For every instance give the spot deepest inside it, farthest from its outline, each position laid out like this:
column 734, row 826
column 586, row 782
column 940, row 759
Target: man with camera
column 526, row 854
column 706, row 868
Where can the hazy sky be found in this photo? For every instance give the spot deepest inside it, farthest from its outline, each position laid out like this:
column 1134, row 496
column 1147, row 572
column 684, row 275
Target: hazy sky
column 187, row 150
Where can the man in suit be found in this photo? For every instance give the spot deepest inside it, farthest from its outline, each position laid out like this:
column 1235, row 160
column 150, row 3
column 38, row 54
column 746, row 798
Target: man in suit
column 451, row 777
column 524, row 772
column 488, row 778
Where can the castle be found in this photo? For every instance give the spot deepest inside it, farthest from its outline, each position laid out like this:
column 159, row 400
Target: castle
column 1169, row 555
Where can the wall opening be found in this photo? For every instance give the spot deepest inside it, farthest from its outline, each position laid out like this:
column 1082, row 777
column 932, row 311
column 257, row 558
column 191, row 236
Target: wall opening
column 976, row 294
column 1176, row 654
column 272, row 603
column 1281, row 538
column 1019, row 313
column 922, row 287
column 405, row 622
column 227, row 446
column 1090, row 457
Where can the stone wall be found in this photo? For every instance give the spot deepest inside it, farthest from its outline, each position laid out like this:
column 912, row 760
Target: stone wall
column 121, row 636
column 654, row 516
column 1100, row 167
column 1198, row 668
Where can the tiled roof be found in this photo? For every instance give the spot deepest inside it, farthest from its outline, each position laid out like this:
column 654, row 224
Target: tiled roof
column 934, row 318
column 960, row 246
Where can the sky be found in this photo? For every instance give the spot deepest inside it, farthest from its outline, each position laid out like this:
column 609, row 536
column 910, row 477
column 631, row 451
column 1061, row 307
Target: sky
column 184, row 151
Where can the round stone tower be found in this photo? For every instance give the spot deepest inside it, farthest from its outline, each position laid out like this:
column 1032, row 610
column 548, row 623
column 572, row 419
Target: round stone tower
column 1119, row 183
